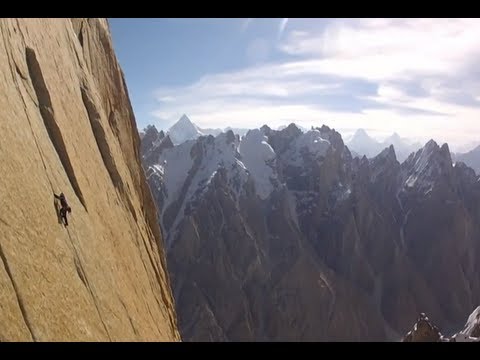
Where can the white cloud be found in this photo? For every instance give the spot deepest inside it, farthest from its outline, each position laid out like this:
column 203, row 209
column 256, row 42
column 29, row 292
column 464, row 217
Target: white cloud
column 391, row 94
column 261, row 81
column 435, row 56
column 166, row 98
column 393, row 36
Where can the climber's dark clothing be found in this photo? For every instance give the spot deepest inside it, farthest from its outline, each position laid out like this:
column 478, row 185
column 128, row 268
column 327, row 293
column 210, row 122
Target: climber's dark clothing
column 65, row 207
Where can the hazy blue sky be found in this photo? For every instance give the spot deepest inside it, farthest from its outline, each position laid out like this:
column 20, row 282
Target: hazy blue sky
column 418, row 77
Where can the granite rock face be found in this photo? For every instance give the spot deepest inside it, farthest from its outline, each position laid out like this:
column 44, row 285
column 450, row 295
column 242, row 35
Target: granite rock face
column 66, row 125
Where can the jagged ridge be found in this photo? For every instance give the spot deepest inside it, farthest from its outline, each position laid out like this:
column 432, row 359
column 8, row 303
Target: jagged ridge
column 339, row 248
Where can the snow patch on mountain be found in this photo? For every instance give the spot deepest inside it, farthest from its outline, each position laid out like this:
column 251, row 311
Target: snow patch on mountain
column 421, row 168
column 174, row 164
column 311, row 142
column 258, row 155
column 251, row 157
column 473, row 323
column 220, row 153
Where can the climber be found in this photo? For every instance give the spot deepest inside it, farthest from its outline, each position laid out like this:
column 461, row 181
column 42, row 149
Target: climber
column 65, row 207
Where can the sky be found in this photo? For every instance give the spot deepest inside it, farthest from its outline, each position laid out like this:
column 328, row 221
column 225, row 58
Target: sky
column 417, row 77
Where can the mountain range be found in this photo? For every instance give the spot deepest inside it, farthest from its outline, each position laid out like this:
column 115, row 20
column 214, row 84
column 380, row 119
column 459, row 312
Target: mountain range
column 362, row 144
column 359, row 144
column 184, row 129
column 283, row 235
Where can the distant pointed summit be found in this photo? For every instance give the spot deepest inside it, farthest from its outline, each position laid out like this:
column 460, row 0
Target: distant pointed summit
column 361, row 133
column 184, row 129
column 403, row 147
column 363, row 144
column 185, row 120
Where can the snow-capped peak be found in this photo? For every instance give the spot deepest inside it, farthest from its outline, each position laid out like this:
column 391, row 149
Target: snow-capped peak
column 313, row 142
column 363, row 144
column 396, row 141
column 394, row 138
column 184, row 129
column 403, row 146
column 361, row 134
column 200, row 159
column 185, row 121
column 426, row 165
column 256, row 154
